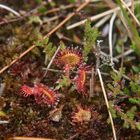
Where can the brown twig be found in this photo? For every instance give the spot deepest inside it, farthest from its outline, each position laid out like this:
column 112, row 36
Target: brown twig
column 122, row 57
column 49, row 65
column 62, row 37
column 48, row 35
column 132, row 6
column 67, row 18
column 92, row 84
column 28, row 138
column 112, row 5
column 73, row 136
column 107, row 104
column 23, row 17
column 131, row 13
column 61, row 71
column 98, row 16
column 10, row 10
column 61, row 8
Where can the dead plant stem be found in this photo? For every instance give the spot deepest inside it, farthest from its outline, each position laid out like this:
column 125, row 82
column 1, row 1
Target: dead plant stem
column 107, row 104
column 48, row 35
column 92, row 83
column 110, row 37
column 96, row 17
column 9, row 9
column 33, row 12
column 111, row 45
column 50, row 63
column 131, row 13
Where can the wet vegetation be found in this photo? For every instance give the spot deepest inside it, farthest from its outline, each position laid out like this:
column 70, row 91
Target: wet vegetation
column 69, row 70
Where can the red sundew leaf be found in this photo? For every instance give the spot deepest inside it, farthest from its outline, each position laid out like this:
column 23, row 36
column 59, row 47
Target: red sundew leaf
column 42, row 93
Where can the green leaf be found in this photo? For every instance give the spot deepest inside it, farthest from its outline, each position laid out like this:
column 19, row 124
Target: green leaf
column 118, row 49
column 64, row 82
column 135, row 88
column 112, row 110
column 136, row 69
column 35, row 19
column 62, row 45
column 42, row 9
column 72, row 1
column 117, row 76
column 38, row 1
column 131, row 113
column 134, row 100
column 48, row 48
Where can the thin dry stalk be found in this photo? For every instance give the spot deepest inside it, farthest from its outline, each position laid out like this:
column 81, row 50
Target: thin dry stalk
column 125, row 76
column 49, row 34
column 122, row 57
column 124, row 54
column 34, row 11
column 131, row 13
column 61, row 8
column 73, row 136
column 9, row 9
column 3, row 122
column 102, row 21
column 67, row 18
column 51, row 19
column 125, row 25
column 112, row 5
column 50, row 63
column 61, row 71
column 91, row 94
column 28, row 138
column 62, row 37
column 110, row 37
column 111, row 45
column 107, row 104
column 96, row 17
column 132, row 6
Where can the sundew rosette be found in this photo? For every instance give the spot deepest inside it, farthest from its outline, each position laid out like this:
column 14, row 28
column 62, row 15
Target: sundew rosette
column 42, row 94
column 69, row 58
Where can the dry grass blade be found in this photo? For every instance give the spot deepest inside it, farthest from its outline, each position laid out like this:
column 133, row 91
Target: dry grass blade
column 67, row 18
column 49, row 34
column 10, row 10
column 102, row 21
column 33, row 12
column 96, row 17
column 91, row 94
column 110, row 37
column 131, row 13
column 107, row 104
column 124, row 54
column 49, row 65
column 28, row 138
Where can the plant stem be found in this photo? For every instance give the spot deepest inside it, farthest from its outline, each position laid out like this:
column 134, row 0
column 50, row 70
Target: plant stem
column 48, row 35
column 107, row 104
column 131, row 13
column 96, row 17
column 10, row 10
column 110, row 37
